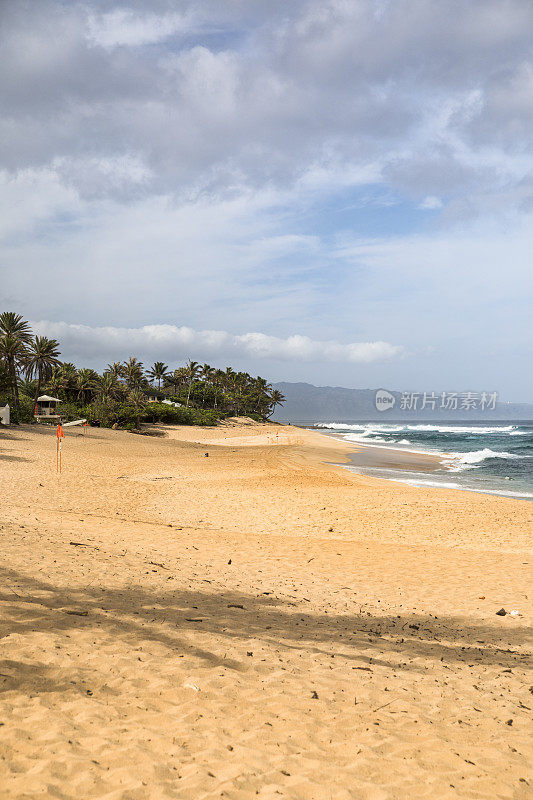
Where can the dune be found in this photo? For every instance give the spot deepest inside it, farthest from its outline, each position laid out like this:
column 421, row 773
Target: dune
column 258, row 623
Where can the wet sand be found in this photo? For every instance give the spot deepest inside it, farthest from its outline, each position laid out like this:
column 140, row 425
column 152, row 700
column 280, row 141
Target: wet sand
column 373, row 456
column 255, row 623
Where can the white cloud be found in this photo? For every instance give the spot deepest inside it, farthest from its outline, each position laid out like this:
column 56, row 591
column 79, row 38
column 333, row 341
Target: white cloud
column 430, row 203
column 174, row 343
column 125, row 26
column 271, row 92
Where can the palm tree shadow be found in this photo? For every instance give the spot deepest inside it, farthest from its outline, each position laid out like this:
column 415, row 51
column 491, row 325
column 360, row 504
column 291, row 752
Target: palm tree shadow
column 35, row 678
column 136, row 614
column 6, row 456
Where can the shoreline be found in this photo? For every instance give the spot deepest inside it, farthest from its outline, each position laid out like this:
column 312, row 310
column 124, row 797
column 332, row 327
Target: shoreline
column 396, row 465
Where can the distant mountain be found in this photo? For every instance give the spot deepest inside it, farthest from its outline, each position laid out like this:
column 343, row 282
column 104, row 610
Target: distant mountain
column 308, row 403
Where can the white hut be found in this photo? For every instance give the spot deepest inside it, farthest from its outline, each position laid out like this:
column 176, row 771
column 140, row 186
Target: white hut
column 4, row 415
column 46, row 408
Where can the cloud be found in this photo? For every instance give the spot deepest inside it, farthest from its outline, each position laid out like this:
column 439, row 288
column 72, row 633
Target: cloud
column 230, row 95
column 124, row 26
column 353, row 171
column 430, row 203
column 177, row 343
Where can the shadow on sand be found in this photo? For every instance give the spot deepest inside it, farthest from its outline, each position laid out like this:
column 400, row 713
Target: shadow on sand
column 9, row 435
column 136, row 614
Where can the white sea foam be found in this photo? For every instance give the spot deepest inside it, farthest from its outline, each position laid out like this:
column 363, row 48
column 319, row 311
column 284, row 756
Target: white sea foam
column 423, row 481
column 369, row 427
column 363, row 437
column 463, row 428
column 460, row 461
column 366, row 427
column 454, row 461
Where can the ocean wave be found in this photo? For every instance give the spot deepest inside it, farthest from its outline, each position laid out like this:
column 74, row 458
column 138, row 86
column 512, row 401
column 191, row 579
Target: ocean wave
column 369, row 427
column 463, row 428
column 390, row 444
column 453, row 461
column 459, row 461
column 363, row 438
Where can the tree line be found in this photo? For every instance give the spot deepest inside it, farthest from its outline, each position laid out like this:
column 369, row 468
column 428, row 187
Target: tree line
column 31, row 365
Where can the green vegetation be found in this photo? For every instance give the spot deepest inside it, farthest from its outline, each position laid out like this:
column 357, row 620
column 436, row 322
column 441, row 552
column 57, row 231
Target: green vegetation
column 122, row 396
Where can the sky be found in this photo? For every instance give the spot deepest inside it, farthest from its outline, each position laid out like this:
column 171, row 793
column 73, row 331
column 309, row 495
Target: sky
column 331, row 191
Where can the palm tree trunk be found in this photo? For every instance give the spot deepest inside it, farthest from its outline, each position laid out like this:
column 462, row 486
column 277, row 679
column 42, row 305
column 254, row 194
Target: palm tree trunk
column 14, row 384
column 38, row 387
column 189, row 392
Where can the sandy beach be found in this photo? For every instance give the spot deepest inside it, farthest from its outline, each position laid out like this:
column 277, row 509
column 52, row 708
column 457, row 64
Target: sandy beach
column 227, row 613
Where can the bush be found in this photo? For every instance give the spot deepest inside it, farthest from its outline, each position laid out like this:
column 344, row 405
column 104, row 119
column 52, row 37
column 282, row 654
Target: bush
column 27, row 409
column 106, row 413
column 205, row 417
column 161, row 412
column 70, row 411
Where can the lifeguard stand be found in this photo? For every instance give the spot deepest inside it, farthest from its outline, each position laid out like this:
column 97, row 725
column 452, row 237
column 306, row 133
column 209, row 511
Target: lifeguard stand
column 46, row 409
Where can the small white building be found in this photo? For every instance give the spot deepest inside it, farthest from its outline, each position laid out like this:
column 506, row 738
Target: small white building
column 5, row 415
column 46, row 408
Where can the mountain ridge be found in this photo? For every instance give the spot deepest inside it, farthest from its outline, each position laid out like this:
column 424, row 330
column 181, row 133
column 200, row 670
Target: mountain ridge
column 306, row 402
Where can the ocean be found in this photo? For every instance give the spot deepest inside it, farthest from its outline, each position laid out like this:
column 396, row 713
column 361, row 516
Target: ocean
column 489, row 457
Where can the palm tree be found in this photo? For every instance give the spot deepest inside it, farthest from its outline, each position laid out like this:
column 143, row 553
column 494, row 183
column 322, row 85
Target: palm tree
column 107, row 386
column 116, row 368
column 261, row 395
column 207, row 374
column 68, row 379
column 192, row 369
column 217, row 379
column 54, row 382
column 158, row 372
column 276, row 399
column 15, row 336
column 133, row 373
column 27, row 387
column 240, row 385
column 86, row 382
column 137, row 399
column 5, row 383
column 43, row 356
column 227, row 382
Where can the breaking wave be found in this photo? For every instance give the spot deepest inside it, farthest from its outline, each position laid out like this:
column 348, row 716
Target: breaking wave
column 496, row 457
column 458, row 461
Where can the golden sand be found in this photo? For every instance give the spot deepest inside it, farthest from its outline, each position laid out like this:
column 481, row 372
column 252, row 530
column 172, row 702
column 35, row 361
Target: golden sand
column 255, row 624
